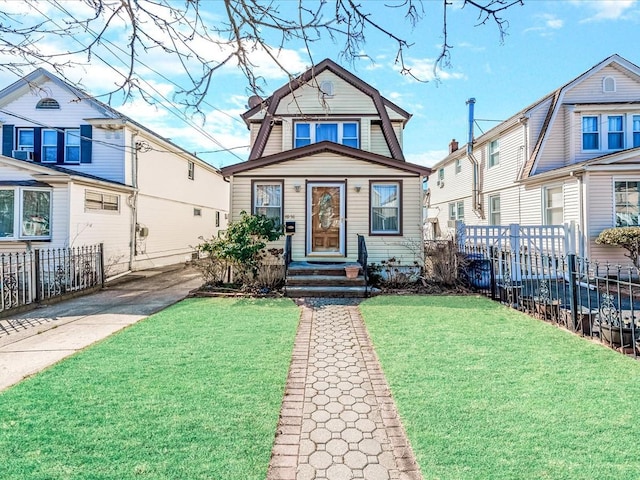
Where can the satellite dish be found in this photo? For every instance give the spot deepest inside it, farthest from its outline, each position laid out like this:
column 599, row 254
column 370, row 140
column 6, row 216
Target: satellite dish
column 255, row 100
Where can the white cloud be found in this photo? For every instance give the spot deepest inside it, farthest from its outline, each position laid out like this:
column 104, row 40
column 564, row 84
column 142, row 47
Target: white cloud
column 427, row 158
column 545, row 24
column 602, row 10
column 423, row 69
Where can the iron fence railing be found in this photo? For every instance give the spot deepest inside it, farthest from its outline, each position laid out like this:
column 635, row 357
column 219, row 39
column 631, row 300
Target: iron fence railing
column 363, row 261
column 593, row 299
column 40, row 274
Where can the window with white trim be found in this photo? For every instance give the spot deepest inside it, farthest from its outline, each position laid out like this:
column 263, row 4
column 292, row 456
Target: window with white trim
column 456, row 210
column 627, row 203
column 615, row 134
column 608, row 85
column 345, row 133
column 267, row 200
column 98, row 201
column 72, row 145
column 553, row 206
column 217, row 218
column 25, row 139
column 458, row 165
column 25, row 213
column 441, row 174
column 636, row 130
column 191, row 170
column 385, row 208
column 49, row 145
column 590, row 133
column 494, row 153
column 494, row 210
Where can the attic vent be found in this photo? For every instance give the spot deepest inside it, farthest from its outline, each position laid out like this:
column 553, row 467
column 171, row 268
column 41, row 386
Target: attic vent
column 48, row 104
column 608, row 84
column 326, row 88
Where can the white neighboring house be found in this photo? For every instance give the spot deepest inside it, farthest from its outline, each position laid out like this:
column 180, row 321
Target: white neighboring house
column 74, row 172
column 573, row 156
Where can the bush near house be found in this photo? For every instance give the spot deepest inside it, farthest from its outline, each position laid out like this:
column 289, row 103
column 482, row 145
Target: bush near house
column 625, row 237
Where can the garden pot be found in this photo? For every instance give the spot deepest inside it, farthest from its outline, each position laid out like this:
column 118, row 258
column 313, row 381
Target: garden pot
column 586, row 318
column 611, row 335
column 352, row 271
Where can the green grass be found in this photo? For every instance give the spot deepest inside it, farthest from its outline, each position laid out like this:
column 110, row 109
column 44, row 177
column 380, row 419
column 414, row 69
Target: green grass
column 193, row 392
column 486, row 392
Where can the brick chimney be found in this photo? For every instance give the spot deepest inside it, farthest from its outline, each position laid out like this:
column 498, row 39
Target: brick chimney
column 453, row 146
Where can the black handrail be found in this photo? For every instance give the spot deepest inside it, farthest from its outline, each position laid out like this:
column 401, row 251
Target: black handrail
column 287, row 252
column 362, row 260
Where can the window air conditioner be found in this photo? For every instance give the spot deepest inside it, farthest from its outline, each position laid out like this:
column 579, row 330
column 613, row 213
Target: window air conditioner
column 440, row 183
column 451, row 223
column 22, row 154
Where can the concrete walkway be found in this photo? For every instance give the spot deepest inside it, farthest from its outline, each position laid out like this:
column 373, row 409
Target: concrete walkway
column 32, row 341
column 338, row 420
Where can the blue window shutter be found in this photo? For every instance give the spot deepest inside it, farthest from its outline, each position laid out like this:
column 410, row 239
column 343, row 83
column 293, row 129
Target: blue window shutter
column 7, row 140
column 37, row 143
column 60, row 146
column 86, row 132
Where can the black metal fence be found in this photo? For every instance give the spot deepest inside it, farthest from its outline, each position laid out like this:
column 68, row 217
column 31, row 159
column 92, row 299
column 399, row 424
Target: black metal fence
column 596, row 300
column 40, row 274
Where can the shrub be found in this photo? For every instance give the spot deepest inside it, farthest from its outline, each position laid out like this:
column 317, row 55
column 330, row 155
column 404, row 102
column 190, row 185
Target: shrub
column 625, row 237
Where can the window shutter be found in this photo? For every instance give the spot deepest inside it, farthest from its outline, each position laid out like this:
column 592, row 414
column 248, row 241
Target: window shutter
column 7, row 140
column 86, row 132
column 60, row 149
column 37, row 144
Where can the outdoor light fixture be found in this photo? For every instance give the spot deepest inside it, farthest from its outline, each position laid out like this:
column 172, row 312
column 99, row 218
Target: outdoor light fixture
column 296, row 187
column 357, row 188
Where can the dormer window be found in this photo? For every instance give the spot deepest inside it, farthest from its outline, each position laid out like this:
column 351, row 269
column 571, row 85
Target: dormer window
column 48, row 104
column 608, row 85
column 345, row 133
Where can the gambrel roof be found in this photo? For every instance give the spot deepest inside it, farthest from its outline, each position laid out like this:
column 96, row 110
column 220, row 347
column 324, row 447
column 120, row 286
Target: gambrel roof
column 271, row 106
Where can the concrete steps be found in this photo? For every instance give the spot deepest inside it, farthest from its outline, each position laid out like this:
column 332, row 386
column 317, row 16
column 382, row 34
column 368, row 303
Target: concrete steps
column 306, row 279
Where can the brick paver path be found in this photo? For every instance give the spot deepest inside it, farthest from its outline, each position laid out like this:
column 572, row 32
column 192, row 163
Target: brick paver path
column 338, row 420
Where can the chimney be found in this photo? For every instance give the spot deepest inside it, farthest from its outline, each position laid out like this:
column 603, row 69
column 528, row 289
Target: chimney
column 453, row 145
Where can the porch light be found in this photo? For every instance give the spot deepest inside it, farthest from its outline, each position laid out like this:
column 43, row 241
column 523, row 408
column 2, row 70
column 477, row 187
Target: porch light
column 357, row 188
column 297, row 187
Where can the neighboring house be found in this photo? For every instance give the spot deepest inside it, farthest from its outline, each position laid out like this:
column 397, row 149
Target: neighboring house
column 75, row 172
column 326, row 159
column 572, row 156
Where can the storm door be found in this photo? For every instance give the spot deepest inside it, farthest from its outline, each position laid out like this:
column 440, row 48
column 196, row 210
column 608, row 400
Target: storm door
column 325, row 219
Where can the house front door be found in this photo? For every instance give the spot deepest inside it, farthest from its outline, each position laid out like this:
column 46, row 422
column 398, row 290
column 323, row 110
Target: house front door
column 325, row 219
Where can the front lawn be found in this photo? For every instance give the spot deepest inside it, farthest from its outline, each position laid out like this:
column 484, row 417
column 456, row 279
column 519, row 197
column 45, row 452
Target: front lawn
column 193, row 392
column 486, row 392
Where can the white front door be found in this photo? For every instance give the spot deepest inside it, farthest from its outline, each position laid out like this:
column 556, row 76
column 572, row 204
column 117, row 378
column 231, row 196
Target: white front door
column 325, row 219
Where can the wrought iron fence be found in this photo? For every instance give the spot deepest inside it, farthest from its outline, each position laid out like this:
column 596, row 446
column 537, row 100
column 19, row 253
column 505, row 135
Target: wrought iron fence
column 596, row 300
column 39, row 274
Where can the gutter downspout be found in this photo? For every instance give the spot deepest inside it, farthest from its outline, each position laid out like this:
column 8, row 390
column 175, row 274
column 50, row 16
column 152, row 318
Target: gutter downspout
column 133, row 199
column 475, row 196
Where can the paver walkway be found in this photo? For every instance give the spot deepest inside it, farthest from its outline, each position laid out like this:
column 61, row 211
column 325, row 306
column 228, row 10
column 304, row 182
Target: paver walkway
column 338, row 420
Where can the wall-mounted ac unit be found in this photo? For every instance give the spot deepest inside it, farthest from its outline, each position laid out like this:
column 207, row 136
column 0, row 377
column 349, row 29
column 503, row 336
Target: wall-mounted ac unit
column 22, row 154
column 451, row 223
column 440, row 183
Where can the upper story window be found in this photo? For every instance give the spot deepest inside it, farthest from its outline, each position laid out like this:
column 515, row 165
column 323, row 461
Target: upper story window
column 267, row 199
column 345, row 133
column 456, row 210
column 326, row 87
column 72, row 145
column 590, row 133
column 49, row 145
column 458, row 166
column 615, row 135
column 608, row 84
column 636, row 130
column 440, row 174
column 48, row 104
column 494, row 210
column 627, row 203
column 494, row 153
column 191, row 170
column 25, row 213
column 25, row 139
column 553, row 206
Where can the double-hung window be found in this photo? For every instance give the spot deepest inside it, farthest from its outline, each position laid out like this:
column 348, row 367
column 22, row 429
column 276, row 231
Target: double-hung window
column 25, row 213
column 345, row 133
column 458, row 166
column 615, row 134
column 49, row 145
column 553, row 206
column 72, row 145
column 107, row 202
column 590, row 133
column 385, row 208
column 627, row 207
column 267, row 199
column 25, row 139
column 494, row 210
column 494, row 153
column 636, row 130
column 191, row 170
column 456, row 210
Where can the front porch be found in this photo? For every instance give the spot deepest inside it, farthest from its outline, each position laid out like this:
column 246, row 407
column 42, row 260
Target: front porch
column 325, row 279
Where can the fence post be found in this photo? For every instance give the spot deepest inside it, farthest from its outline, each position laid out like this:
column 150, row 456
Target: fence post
column 573, row 294
column 492, row 273
column 36, row 273
column 101, row 259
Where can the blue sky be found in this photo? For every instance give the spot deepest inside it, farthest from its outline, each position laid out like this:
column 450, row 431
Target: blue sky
column 548, row 43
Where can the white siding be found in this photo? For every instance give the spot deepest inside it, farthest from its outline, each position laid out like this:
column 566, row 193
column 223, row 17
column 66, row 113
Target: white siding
column 590, row 89
column 378, row 142
column 553, row 153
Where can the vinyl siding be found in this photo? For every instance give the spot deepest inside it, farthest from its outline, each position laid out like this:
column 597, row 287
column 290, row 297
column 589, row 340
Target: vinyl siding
column 537, row 116
column 553, row 153
column 275, row 143
column 378, row 142
column 590, row 89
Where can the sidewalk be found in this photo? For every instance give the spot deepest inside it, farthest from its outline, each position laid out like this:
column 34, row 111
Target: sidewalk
column 34, row 340
column 338, row 419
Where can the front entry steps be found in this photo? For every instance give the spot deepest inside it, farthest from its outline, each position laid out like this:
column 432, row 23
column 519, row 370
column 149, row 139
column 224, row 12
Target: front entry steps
column 306, row 279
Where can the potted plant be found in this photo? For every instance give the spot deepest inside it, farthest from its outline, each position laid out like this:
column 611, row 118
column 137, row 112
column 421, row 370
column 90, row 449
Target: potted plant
column 613, row 330
column 352, row 271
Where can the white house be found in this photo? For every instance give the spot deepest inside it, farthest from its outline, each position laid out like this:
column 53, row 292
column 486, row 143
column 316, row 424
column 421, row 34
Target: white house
column 74, row 171
column 572, row 156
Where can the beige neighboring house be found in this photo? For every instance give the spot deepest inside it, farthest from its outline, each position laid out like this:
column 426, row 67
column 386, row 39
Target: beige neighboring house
column 572, row 156
column 76, row 172
column 326, row 160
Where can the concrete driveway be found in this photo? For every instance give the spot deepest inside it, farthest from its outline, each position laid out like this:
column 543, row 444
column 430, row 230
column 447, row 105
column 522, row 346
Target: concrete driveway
column 32, row 341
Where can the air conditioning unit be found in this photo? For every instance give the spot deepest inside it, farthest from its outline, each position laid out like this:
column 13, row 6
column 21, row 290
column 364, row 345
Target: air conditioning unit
column 440, row 183
column 451, row 223
column 22, row 154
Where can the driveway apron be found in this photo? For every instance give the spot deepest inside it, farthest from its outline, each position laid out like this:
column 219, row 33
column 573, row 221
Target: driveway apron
column 338, row 419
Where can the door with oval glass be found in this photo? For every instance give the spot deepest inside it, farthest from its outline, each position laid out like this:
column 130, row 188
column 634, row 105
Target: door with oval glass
column 325, row 219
